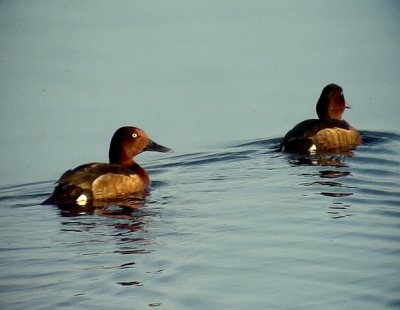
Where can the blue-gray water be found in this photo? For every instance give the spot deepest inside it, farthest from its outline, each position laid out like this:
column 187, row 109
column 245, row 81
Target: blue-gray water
column 229, row 223
column 241, row 227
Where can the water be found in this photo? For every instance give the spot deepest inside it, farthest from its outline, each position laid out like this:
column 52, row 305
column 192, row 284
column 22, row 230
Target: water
column 242, row 226
column 192, row 74
column 229, row 222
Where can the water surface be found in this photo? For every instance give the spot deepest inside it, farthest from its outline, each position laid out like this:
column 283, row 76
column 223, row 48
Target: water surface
column 229, row 222
column 242, row 226
column 192, row 74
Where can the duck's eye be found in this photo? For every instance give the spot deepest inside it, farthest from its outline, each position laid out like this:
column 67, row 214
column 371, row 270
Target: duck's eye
column 134, row 135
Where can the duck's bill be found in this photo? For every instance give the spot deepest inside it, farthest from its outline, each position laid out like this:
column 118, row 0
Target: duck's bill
column 155, row 147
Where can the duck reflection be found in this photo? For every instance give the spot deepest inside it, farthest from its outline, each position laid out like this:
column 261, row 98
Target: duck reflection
column 121, row 208
column 338, row 210
column 321, row 159
column 122, row 219
column 328, row 181
column 112, row 241
column 331, row 184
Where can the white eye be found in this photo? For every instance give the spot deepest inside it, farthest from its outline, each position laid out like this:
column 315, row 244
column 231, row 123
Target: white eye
column 134, row 135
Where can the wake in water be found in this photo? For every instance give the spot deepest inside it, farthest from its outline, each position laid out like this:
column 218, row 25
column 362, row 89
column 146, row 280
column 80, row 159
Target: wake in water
column 244, row 211
column 378, row 154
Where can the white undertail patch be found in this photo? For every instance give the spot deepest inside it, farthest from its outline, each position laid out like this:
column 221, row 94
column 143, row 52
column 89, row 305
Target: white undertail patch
column 81, row 200
column 312, row 149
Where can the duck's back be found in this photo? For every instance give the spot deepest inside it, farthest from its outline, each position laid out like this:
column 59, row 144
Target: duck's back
column 321, row 135
column 98, row 181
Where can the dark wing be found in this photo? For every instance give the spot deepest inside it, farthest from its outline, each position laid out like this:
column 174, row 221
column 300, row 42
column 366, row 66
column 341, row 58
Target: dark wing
column 84, row 175
column 79, row 181
column 300, row 137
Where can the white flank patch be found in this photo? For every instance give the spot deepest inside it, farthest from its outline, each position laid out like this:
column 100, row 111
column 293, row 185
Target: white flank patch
column 312, row 149
column 81, row 200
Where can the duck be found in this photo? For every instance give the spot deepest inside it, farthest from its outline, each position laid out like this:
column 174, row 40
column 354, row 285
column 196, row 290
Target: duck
column 327, row 133
column 121, row 177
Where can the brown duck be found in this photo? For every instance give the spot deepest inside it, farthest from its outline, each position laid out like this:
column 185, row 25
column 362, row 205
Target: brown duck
column 121, row 177
column 328, row 133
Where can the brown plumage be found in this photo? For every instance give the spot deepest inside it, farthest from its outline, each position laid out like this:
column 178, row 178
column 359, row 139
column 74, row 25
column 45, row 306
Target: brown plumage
column 121, row 177
column 329, row 132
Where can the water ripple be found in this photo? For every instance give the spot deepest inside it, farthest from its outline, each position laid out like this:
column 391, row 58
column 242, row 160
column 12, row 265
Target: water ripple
column 244, row 220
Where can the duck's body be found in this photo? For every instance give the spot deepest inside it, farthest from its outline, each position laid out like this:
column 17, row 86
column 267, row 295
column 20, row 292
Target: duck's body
column 329, row 132
column 316, row 134
column 122, row 177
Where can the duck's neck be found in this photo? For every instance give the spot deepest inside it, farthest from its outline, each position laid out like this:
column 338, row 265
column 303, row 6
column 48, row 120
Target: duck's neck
column 120, row 156
column 331, row 107
column 330, row 111
column 128, row 163
column 121, row 159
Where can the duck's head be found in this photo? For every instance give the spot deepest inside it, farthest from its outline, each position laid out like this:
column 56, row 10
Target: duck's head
column 127, row 142
column 331, row 104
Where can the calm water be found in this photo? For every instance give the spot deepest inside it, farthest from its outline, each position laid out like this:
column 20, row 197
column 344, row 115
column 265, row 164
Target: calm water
column 229, row 222
column 240, row 227
column 190, row 73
